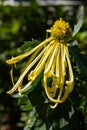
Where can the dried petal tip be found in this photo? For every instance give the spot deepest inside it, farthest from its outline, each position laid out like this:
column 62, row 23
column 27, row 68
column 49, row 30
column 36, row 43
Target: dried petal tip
column 62, row 31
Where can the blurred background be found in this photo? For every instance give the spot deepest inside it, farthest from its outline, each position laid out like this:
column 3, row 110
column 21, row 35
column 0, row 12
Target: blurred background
column 25, row 20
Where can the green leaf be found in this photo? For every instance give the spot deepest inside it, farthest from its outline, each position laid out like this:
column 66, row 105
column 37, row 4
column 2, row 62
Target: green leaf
column 1, row 90
column 51, row 128
column 17, row 95
column 80, row 20
column 63, row 123
column 15, row 26
column 34, row 123
column 24, row 103
column 42, row 127
column 80, row 59
column 34, row 84
column 28, row 45
column 83, row 102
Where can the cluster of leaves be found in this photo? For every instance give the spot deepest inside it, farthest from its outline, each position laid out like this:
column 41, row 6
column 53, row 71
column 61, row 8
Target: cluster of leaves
column 19, row 24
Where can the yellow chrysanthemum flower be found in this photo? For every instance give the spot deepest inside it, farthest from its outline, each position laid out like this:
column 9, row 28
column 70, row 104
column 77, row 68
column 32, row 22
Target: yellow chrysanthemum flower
column 52, row 56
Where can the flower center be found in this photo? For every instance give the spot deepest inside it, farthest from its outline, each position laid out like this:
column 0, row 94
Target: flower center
column 62, row 31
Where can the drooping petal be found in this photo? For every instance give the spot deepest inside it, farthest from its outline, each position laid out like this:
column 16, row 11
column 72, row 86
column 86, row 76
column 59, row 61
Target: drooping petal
column 25, row 72
column 46, row 72
column 21, row 57
column 52, row 58
column 71, row 76
column 40, row 67
column 27, row 64
column 11, row 73
column 47, row 93
column 59, row 73
column 70, row 82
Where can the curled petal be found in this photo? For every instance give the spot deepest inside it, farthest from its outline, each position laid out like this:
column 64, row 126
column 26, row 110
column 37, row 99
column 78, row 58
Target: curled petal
column 25, row 72
column 47, row 92
column 70, row 82
column 36, row 71
column 54, row 106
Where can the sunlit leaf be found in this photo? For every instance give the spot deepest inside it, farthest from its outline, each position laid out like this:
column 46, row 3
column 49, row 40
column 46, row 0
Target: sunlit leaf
column 79, row 20
column 42, row 127
column 17, row 95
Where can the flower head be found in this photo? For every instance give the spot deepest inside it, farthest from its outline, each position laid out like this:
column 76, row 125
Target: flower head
column 62, row 31
column 52, row 57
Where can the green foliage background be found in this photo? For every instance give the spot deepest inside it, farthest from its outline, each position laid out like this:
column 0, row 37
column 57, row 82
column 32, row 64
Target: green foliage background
column 32, row 111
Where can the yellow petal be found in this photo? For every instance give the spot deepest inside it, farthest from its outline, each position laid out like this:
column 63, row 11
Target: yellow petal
column 11, row 73
column 47, row 93
column 26, row 87
column 52, row 58
column 71, row 76
column 38, row 68
column 54, row 106
column 40, row 65
column 70, row 82
column 25, row 72
column 21, row 57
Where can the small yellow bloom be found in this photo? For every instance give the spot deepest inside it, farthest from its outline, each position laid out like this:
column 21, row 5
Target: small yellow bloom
column 52, row 56
column 61, row 31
